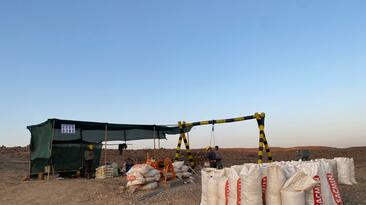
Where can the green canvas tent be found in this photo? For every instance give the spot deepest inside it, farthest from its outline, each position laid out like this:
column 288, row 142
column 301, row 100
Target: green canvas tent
column 63, row 142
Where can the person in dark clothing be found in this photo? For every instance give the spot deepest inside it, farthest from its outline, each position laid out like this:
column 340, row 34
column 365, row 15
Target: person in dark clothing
column 218, row 158
column 211, row 157
column 89, row 158
column 129, row 164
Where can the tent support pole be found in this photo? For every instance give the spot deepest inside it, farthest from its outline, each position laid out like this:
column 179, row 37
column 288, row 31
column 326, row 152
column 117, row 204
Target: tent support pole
column 105, row 145
column 154, row 137
column 51, row 166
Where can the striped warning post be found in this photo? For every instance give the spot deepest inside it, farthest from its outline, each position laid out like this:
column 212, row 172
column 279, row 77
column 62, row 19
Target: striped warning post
column 177, row 151
column 263, row 143
column 184, row 138
column 266, row 146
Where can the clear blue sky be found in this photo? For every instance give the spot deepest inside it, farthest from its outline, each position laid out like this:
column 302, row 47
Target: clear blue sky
column 157, row 62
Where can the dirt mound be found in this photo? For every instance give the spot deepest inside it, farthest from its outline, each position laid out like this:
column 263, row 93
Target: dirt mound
column 17, row 152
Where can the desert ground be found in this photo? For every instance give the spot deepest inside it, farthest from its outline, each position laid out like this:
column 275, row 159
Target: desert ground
column 14, row 167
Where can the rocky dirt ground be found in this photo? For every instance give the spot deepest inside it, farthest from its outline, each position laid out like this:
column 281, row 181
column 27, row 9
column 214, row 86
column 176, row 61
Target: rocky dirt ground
column 14, row 166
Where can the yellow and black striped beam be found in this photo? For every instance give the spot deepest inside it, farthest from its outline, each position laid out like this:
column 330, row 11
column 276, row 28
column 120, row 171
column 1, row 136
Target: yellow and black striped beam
column 208, row 122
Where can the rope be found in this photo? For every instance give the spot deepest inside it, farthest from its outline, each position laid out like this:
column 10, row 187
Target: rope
column 212, row 135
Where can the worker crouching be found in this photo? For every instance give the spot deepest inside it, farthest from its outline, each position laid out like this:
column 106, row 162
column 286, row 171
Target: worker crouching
column 214, row 157
column 211, row 156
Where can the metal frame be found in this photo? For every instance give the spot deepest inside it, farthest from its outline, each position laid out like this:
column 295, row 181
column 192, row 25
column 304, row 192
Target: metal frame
column 259, row 117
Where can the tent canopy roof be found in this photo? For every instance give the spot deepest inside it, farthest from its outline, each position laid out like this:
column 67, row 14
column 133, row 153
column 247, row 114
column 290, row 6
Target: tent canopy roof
column 101, row 126
column 95, row 132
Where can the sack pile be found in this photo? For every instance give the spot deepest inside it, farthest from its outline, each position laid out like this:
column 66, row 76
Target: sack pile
column 181, row 171
column 143, row 177
column 105, row 171
column 278, row 183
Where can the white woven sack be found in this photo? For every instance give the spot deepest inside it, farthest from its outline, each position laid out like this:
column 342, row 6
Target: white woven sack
column 293, row 191
column 178, row 165
column 179, row 175
column 185, row 168
column 344, row 170
column 141, row 168
column 275, row 180
column 206, row 174
column 314, row 195
column 251, row 185
column 353, row 171
column 136, row 182
column 264, row 169
column 234, row 184
column 149, row 180
column 330, row 190
column 289, row 168
column 135, row 176
column 152, row 173
column 186, row 174
column 292, row 197
column 213, row 187
column 222, row 190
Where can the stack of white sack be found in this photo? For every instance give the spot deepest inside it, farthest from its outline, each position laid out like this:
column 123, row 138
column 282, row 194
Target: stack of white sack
column 231, row 186
column 278, row 183
column 182, row 171
column 215, row 189
column 325, row 191
column 103, row 172
column 143, row 177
